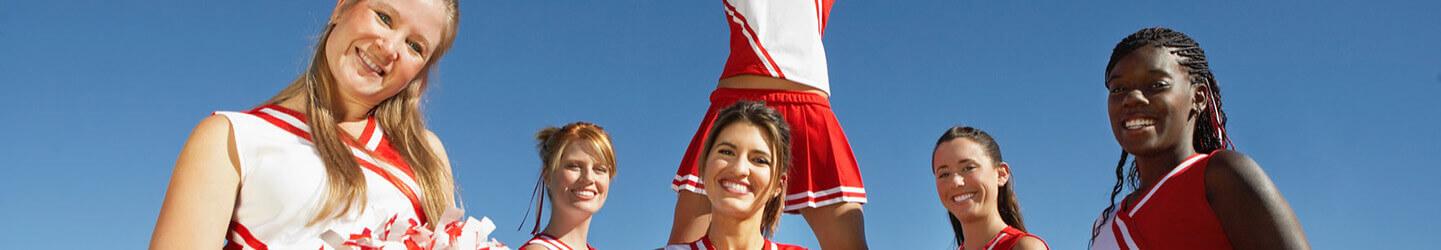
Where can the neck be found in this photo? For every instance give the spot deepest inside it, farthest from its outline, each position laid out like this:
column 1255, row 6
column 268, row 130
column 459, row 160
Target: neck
column 727, row 232
column 978, row 232
column 568, row 228
column 348, row 111
column 1152, row 167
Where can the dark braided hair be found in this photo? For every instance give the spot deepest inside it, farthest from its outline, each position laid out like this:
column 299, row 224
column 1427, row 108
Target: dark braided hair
column 1209, row 135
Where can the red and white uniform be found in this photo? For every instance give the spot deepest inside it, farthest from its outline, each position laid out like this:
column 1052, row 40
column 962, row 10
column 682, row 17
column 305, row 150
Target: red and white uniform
column 780, row 39
column 1007, row 239
column 823, row 168
column 551, row 243
column 1173, row 214
column 283, row 183
column 704, row 244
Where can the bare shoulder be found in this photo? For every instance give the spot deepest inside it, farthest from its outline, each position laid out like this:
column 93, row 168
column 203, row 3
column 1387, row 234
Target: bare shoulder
column 211, row 143
column 436, row 147
column 1251, row 209
column 1031, row 242
column 533, row 247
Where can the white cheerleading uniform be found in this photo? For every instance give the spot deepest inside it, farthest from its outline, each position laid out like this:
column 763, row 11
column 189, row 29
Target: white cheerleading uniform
column 779, row 39
column 283, row 183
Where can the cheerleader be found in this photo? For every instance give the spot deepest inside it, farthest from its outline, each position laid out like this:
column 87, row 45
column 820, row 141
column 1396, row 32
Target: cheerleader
column 776, row 56
column 340, row 158
column 1190, row 190
column 977, row 189
column 747, row 153
column 577, row 165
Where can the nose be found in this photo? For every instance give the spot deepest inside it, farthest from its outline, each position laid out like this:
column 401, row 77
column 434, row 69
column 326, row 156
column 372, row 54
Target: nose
column 1134, row 98
column 587, row 176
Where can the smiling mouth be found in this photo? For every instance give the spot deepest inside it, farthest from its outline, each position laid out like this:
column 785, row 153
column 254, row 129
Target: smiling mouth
column 1139, row 123
column 963, row 197
column 584, row 194
column 735, row 187
column 369, row 63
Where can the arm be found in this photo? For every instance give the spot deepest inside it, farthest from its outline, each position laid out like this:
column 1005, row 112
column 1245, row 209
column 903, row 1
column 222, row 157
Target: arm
column 203, row 187
column 1250, row 208
column 692, row 217
column 1031, row 243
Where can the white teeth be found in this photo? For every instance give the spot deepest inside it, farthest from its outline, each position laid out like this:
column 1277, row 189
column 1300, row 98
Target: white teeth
column 963, row 197
column 584, row 193
column 735, row 187
column 369, row 64
column 1139, row 123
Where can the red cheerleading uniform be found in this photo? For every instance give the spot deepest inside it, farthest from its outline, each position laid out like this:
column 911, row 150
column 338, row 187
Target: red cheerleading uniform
column 1173, row 214
column 782, row 39
column 1007, row 239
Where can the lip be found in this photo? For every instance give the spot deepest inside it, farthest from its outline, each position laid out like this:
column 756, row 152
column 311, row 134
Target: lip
column 584, row 194
column 735, row 187
column 368, row 65
column 963, row 197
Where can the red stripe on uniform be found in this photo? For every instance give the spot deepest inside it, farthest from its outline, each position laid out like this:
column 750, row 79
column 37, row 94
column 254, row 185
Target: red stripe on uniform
column 244, row 233
column 755, row 39
column 399, row 184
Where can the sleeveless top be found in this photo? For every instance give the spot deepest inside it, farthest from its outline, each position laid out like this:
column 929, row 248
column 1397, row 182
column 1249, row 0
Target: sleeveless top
column 779, row 39
column 283, row 183
column 1173, row 214
column 1007, row 239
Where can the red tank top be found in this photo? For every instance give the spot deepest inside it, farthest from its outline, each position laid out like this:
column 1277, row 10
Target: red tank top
column 1173, row 214
column 1007, row 239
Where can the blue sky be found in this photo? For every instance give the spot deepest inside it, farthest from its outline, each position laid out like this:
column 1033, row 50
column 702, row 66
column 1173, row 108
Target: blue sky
column 1336, row 100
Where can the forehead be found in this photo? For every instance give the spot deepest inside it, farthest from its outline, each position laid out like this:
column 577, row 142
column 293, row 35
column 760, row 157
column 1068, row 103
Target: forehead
column 951, row 152
column 1145, row 60
column 578, row 149
column 744, row 135
column 429, row 18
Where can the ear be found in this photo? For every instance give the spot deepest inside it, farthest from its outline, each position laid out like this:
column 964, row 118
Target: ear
column 1003, row 174
column 780, row 187
column 1200, row 96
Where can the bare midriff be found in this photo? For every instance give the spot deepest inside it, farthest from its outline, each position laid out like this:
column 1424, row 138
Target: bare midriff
column 766, row 82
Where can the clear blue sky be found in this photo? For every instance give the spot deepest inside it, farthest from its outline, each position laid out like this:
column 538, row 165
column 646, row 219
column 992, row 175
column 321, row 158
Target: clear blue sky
column 1336, row 100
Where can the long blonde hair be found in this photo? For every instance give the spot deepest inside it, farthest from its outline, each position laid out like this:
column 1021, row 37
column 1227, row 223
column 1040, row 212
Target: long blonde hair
column 399, row 116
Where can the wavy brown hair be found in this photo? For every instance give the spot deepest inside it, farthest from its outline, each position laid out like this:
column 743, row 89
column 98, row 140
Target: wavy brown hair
column 777, row 134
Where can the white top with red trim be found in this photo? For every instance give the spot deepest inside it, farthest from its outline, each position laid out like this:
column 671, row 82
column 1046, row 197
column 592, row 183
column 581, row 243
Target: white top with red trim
column 283, row 183
column 780, row 39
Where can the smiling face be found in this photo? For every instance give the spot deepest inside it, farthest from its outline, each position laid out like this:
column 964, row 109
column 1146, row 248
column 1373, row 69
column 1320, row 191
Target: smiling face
column 378, row 47
column 739, row 170
column 580, row 184
column 967, row 179
column 1151, row 101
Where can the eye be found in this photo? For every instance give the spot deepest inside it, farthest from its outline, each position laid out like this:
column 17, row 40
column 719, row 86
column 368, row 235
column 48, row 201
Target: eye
column 761, row 160
column 573, row 166
column 1159, row 85
column 601, row 169
column 1114, row 90
column 970, row 168
column 414, row 46
column 943, row 174
column 725, row 151
column 384, row 18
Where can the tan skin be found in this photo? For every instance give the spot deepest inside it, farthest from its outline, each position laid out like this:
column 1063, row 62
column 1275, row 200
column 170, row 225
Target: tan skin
column 739, row 168
column 969, row 183
column 578, row 189
column 837, row 226
column 204, row 186
column 1150, row 85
